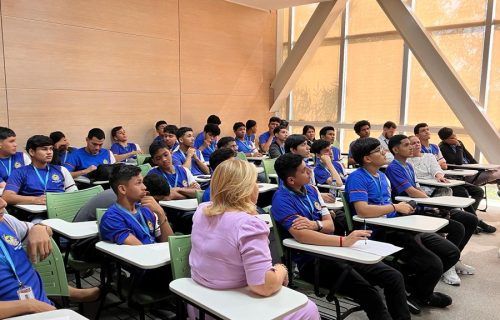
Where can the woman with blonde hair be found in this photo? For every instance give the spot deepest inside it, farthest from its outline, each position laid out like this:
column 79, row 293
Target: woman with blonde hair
column 230, row 247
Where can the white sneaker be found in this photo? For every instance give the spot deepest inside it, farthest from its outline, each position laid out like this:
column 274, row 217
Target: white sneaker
column 451, row 277
column 463, row 268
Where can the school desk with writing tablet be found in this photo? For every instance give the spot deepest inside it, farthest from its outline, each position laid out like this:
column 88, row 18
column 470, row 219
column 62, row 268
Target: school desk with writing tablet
column 435, row 183
column 146, row 256
column 61, row 314
column 417, row 223
column 257, row 158
column 1, row 191
column 460, row 172
column 334, row 205
column 265, row 187
column 182, row 205
column 73, row 230
column 475, row 166
column 445, row 201
column 85, row 180
column 240, row 303
column 202, row 178
column 32, row 208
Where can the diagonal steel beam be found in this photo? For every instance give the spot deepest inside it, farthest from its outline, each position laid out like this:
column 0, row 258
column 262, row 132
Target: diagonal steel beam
column 444, row 77
column 303, row 51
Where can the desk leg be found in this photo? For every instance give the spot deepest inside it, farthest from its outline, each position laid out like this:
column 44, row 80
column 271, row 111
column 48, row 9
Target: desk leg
column 289, row 266
column 316, row 278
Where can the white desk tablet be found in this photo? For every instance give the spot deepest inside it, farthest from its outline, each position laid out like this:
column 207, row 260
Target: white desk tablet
column 73, row 230
column 460, row 172
column 265, row 187
column 146, row 256
column 415, row 222
column 61, row 314
column 33, row 208
column 445, row 201
column 183, row 205
column 475, row 166
column 435, row 183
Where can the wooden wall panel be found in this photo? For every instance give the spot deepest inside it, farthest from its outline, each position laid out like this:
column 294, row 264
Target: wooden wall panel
column 4, row 116
column 54, row 56
column 152, row 18
column 230, row 51
column 76, row 112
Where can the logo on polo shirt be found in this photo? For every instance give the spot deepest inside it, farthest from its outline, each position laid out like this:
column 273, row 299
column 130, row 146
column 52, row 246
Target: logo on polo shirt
column 317, row 205
column 184, row 183
column 11, row 240
column 150, row 225
column 105, row 161
column 56, row 178
column 17, row 164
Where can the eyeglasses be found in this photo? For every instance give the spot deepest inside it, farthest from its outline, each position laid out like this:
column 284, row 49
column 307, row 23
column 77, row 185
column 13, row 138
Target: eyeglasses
column 378, row 150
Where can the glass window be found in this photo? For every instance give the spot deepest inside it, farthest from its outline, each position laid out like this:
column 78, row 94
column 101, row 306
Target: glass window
column 367, row 17
column 439, row 13
column 374, row 72
column 493, row 110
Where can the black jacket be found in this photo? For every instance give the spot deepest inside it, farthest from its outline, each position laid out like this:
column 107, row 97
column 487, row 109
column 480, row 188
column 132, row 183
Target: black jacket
column 455, row 157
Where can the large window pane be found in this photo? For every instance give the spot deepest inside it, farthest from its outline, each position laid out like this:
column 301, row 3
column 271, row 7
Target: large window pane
column 494, row 98
column 302, row 16
column 366, row 16
column 374, row 71
column 315, row 96
column 445, row 12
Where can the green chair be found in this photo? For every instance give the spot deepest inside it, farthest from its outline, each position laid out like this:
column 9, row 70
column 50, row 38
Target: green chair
column 53, row 274
column 347, row 211
column 141, row 158
column 65, row 205
column 268, row 165
column 199, row 195
column 145, row 169
column 180, row 247
column 99, row 212
column 241, row 156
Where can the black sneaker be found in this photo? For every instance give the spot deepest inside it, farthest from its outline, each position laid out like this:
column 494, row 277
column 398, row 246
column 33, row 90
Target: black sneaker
column 438, row 300
column 486, row 227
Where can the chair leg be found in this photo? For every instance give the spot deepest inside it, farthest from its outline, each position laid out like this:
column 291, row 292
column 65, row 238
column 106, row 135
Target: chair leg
column 78, row 279
column 485, row 200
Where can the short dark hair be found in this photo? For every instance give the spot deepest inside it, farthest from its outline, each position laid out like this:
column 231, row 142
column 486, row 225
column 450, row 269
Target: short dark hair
column 390, row 124
column 97, row 133
column 213, row 119
column 212, row 129
column 360, row 124
column 238, row 125
column 115, row 130
column 416, row 129
column 182, row 131
column 6, row 133
column 395, row 141
column 122, row 173
column 56, row 136
column 284, row 123
column 38, row 141
column 279, row 128
column 444, row 133
column 171, row 129
column 319, row 145
column 155, row 146
column 293, row 141
column 362, row 147
column 222, row 143
column 274, row 119
column 220, row 155
column 324, row 130
column 250, row 124
column 159, row 123
column 306, row 128
column 286, row 165
column 156, row 185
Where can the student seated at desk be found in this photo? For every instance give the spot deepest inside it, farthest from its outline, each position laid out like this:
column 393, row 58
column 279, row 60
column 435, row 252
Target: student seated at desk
column 427, row 255
column 37, row 238
column 297, row 209
column 461, row 224
column 277, row 147
column 227, row 142
column 170, row 138
column 388, row 131
column 427, row 167
column 61, row 147
column 325, row 170
column 188, row 156
column 455, row 152
column 362, row 129
column 219, row 156
column 123, row 150
column 86, row 159
column 267, row 137
column 310, row 133
column 29, row 184
column 180, row 180
column 229, row 222
column 244, row 145
column 10, row 159
column 159, row 127
column 251, row 131
column 206, row 141
column 136, row 218
column 422, row 131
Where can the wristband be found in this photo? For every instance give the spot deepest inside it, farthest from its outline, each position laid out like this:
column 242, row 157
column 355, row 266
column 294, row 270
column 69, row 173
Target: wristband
column 393, row 207
column 341, row 241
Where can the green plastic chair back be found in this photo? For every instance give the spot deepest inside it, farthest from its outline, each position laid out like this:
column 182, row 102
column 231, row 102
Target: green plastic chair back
column 241, row 156
column 180, row 247
column 99, row 212
column 65, row 205
column 268, row 165
column 53, row 273
column 145, row 169
column 347, row 211
column 142, row 157
column 199, row 195
column 277, row 235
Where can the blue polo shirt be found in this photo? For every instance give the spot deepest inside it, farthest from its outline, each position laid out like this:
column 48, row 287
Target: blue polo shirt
column 63, row 155
column 81, row 159
column 433, row 148
column 264, row 137
column 198, row 142
column 178, row 159
column 178, row 179
column 250, row 137
column 158, row 139
column 287, row 205
column 31, row 181
column 174, row 147
column 7, row 165
column 362, row 186
column 118, row 223
column 245, row 146
column 206, row 195
column 322, row 174
column 401, row 176
column 117, row 148
column 24, row 269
